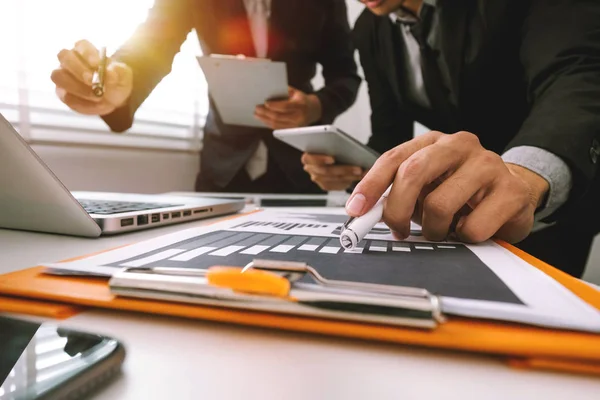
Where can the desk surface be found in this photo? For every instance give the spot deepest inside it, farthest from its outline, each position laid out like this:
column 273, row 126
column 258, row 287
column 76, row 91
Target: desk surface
column 183, row 359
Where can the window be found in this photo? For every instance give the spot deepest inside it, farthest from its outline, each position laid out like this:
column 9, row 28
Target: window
column 32, row 32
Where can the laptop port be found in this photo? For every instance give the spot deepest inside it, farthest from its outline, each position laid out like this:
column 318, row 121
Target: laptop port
column 176, row 214
column 200, row 211
column 142, row 220
column 187, row 213
column 126, row 222
column 155, row 218
column 166, row 216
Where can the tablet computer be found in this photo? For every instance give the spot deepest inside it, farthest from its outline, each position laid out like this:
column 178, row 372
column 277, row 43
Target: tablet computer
column 238, row 84
column 329, row 140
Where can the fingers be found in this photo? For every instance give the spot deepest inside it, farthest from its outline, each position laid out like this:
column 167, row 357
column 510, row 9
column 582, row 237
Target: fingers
column 333, row 185
column 381, row 175
column 441, row 205
column 414, row 174
column 75, row 65
column 317, row 159
column 276, row 120
column 67, row 81
column 281, row 106
column 505, row 212
column 88, row 52
column 347, row 172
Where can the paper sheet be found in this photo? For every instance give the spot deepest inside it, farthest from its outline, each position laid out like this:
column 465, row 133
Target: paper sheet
column 484, row 280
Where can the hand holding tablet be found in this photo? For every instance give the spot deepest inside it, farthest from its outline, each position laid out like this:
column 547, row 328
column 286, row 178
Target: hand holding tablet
column 334, row 159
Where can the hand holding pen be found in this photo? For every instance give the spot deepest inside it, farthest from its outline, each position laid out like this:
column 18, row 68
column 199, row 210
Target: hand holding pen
column 89, row 82
column 450, row 185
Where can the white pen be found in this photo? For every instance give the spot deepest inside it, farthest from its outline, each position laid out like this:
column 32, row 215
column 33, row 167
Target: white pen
column 356, row 228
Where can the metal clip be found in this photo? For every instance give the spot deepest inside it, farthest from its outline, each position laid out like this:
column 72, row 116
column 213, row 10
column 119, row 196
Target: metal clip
column 295, row 271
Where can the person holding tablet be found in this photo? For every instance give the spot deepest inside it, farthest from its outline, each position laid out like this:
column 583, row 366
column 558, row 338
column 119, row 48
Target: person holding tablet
column 511, row 91
column 301, row 33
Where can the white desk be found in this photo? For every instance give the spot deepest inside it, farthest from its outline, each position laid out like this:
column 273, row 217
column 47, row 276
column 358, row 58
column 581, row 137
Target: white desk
column 170, row 358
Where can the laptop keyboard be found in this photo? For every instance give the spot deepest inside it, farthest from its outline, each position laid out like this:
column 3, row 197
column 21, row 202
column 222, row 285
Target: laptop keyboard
column 105, row 207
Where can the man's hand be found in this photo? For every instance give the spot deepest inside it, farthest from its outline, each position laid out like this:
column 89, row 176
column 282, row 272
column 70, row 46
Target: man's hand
column 329, row 176
column 300, row 109
column 73, row 81
column 450, row 182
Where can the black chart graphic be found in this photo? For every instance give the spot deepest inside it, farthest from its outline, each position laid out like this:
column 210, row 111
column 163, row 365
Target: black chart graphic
column 450, row 270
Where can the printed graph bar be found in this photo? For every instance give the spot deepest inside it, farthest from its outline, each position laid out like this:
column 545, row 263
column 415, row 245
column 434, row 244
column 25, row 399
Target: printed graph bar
column 289, row 244
column 360, row 247
column 282, row 248
column 274, row 240
column 225, row 251
column 331, row 247
column 153, row 258
column 245, row 224
column 401, row 247
column 378, row 246
column 190, row 255
column 313, row 244
column 254, row 239
column 308, row 247
column 254, row 250
column 206, row 240
column 238, row 237
column 423, row 247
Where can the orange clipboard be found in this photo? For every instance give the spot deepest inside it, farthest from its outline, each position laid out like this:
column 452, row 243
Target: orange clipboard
column 521, row 345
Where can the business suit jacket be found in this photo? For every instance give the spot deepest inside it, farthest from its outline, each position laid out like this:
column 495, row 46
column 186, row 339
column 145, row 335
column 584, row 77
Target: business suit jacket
column 302, row 33
column 522, row 72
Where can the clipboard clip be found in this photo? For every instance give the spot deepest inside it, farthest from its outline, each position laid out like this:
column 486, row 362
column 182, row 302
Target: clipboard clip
column 275, row 280
column 294, row 271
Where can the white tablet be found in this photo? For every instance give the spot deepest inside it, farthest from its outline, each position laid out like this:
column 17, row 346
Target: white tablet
column 238, row 84
column 329, row 140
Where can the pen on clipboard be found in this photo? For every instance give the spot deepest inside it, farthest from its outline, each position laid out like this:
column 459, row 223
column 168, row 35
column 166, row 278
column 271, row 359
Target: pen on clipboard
column 99, row 75
column 356, row 228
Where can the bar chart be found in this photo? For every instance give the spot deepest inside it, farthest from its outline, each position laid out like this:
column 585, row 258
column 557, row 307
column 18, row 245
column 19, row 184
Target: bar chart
column 441, row 268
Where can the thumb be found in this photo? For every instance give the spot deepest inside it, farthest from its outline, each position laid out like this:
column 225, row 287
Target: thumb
column 295, row 94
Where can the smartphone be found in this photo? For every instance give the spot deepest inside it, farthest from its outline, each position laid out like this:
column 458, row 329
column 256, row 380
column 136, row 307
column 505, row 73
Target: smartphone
column 329, row 140
column 45, row 361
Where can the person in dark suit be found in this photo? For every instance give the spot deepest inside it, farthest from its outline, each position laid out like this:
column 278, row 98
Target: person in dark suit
column 301, row 33
column 511, row 91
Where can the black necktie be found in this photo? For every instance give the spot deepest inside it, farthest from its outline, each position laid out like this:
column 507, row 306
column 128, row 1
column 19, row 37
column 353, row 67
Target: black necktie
column 435, row 89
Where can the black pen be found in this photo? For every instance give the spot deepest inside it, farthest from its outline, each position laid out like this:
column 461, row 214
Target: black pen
column 99, row 74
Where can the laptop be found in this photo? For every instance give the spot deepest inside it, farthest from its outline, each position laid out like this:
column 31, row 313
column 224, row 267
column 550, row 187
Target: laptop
column 32, row 198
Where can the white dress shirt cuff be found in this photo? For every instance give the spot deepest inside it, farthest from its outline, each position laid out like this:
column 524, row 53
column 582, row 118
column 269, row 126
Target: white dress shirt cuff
column 550, row 167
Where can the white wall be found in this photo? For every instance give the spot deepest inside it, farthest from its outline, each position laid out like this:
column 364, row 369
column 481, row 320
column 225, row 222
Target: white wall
column 355, row 121
column 121, row 170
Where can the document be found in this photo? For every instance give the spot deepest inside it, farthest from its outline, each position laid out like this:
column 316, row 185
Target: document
column 239, row 84
column 479, row 281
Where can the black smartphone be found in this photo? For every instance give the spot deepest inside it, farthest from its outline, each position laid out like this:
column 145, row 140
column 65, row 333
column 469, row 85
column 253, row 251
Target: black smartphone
column 45, row 361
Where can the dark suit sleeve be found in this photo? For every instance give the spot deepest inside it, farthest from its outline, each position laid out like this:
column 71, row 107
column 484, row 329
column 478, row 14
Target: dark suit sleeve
column 561, row 57
column 149, row 53
column 336, row 56
column 389, row 125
